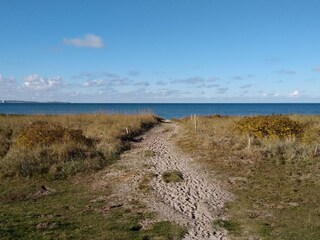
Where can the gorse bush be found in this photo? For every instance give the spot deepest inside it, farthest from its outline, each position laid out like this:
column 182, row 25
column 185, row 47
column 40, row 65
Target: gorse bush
column 273, row 126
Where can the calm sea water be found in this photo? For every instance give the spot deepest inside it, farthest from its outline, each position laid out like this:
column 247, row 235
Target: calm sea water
column 162, row 109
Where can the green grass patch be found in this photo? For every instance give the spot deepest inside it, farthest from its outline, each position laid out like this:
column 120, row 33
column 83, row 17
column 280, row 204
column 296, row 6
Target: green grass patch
column 231, row 226
column 65, row 213
column 71, row 211
column 124, row 224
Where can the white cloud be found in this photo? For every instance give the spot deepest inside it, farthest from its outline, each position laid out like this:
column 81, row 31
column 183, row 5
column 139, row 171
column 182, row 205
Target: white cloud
column 270, row 94
column 107, row 82
column 6, row 81
column 8, row 87
column 294, row 94
column 94, row 83
column 39, row 83
column 89, row 40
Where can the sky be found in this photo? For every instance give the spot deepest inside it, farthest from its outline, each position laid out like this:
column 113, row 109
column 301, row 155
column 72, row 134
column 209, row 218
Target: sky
column 141, row 51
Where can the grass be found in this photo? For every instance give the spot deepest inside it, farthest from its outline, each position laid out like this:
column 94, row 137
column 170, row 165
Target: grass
column 65, row 153
column 60, row 146
column 22, row 213
column 275, row 181
column 144, row 184
column 230, row 226
column 172, row 176
column 71, row 213
column 149, row 153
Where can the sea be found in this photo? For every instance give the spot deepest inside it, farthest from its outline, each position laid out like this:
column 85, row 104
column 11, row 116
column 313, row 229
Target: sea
column 164, row 110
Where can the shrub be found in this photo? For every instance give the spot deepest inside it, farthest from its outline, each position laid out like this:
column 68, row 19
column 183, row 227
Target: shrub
column 273, row 126
column 44, row 147
column 45, row 134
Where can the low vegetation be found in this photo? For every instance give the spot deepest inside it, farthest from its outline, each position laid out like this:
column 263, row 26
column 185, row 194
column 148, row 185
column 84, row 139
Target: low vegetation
column 149, row 154
column 60, row 146
column 272, row 166
column 48, row 165
column 273, row 126
column 172, row 176
column 144, row 184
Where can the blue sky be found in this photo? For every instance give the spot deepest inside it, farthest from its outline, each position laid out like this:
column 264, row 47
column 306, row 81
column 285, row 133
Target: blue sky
column 160, row 51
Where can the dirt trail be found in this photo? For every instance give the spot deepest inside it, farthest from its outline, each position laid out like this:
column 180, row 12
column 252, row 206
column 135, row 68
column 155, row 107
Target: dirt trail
column 196, row 198
column 195, row 202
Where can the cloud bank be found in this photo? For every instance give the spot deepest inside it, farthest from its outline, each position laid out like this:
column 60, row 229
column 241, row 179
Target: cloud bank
column 37, row 82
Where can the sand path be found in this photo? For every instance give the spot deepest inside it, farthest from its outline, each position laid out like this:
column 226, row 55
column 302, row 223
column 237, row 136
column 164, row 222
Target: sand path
column 195, row 201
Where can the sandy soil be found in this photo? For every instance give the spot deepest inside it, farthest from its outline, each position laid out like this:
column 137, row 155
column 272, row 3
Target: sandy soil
column 195, row 202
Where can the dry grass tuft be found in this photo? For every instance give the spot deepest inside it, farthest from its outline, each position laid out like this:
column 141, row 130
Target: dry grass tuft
column 172, row 176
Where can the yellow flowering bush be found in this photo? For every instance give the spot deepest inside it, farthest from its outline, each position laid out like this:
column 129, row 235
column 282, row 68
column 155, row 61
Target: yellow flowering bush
column 270, row 126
